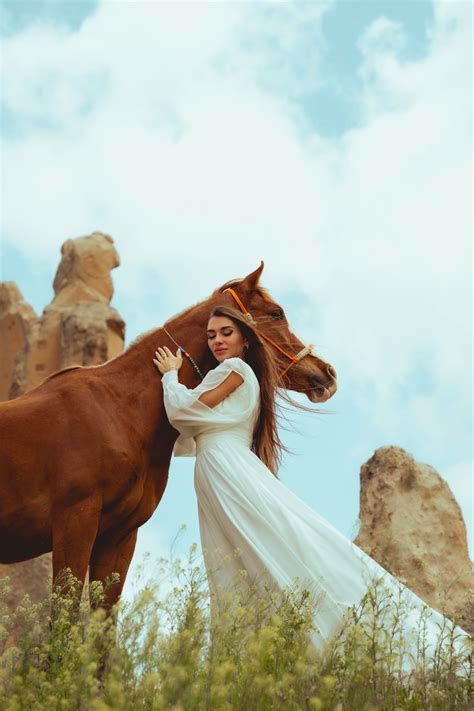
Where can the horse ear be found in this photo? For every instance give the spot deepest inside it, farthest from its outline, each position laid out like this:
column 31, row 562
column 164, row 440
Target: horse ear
column 251, row 280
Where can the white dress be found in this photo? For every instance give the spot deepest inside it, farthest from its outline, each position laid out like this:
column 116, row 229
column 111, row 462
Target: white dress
column 243, row 506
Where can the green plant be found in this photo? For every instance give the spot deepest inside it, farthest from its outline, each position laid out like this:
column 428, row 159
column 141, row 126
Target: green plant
column 175, row 647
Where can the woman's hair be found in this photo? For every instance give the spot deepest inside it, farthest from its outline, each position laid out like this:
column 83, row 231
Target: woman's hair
column 266, row 442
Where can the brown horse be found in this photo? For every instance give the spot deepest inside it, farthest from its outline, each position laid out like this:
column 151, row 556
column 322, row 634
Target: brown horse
column 84, row 456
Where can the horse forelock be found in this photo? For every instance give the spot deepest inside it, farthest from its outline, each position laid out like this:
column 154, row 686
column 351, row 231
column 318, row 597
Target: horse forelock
column 228, row 285
column 261, row 291
column 264, row 293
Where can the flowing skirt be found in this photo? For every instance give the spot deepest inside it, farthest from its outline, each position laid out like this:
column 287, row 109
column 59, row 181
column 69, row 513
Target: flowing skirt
column 243, row 508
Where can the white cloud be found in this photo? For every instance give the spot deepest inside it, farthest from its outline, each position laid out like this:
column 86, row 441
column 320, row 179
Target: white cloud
column 173, row 148
column 403, row 229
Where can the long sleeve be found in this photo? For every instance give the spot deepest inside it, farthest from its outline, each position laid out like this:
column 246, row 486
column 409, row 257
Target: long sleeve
column 187, row 414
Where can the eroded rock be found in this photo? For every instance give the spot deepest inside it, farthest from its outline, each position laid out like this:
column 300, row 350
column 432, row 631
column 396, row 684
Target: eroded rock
column 412, row 525
column 78, row 327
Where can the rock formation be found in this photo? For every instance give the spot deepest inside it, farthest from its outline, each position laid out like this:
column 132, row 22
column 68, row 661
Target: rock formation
column 78, row 327
column 17, row 321
column 412, row 525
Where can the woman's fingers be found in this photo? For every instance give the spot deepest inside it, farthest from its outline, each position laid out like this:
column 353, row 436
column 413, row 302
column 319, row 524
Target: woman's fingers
column 165, row 357
column 165, row 351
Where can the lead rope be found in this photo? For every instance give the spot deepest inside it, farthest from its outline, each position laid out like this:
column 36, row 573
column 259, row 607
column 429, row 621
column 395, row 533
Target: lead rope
column 188, row 356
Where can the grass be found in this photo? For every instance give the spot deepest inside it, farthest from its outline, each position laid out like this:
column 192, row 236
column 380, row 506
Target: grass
column 161, row 651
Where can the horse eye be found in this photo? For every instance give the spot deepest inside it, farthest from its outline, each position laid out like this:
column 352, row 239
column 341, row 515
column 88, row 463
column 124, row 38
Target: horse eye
column 277, row 314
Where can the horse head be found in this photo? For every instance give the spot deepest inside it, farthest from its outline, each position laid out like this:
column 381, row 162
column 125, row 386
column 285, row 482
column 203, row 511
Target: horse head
column 301, row 369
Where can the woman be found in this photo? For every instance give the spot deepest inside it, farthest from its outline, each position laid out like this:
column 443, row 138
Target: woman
column 229, row 422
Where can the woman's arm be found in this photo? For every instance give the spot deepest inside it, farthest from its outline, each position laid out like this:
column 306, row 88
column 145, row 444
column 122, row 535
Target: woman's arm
column 213, row 397
column 165, row 361
column 187, row 409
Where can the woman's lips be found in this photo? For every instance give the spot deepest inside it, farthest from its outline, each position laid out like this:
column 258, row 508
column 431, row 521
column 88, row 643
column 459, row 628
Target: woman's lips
column 220, row 350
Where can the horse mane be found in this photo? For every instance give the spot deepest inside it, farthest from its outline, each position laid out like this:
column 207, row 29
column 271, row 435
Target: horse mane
column 231, row 283
column 142, row 336
column 63, row 370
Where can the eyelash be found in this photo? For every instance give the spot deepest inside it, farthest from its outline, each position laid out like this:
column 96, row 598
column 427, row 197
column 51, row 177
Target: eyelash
column 209, row 338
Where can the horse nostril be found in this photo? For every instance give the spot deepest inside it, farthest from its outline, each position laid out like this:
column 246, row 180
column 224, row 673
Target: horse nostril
column 331, row 371
column 316, row 385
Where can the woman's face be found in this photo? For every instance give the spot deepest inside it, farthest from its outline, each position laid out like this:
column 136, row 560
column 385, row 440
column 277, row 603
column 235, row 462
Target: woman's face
column 225, row 339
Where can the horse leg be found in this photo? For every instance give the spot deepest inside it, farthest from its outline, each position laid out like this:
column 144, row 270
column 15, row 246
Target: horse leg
column 112, row 556
column 109, row 555
column 74, row 532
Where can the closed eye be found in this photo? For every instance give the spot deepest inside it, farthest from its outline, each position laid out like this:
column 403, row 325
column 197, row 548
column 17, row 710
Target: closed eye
column 210, row 336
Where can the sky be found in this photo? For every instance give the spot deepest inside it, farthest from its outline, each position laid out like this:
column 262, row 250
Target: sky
column 330, row 139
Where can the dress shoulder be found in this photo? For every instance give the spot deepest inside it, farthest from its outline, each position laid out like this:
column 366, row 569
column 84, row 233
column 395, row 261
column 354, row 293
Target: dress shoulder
column 238, row 365
column 217, row 375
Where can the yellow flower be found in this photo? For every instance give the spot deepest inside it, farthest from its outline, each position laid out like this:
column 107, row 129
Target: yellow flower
column 329, row 681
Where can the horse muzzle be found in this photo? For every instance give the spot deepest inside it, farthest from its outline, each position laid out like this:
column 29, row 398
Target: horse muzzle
column 320, row 392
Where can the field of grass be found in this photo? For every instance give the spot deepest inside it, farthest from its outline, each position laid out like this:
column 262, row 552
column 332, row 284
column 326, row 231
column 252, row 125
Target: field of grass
column 161, row 651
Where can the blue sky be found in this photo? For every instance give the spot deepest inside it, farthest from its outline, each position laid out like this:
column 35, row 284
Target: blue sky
column 331, row 139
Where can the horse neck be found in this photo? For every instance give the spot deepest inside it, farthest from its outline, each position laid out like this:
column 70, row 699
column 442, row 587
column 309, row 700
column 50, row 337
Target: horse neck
column 133, row 375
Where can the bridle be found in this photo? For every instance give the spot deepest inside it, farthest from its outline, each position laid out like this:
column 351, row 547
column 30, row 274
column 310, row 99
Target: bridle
column 307, row 350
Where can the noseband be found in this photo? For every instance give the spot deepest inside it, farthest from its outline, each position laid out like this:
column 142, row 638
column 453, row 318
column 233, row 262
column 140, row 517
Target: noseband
column 307, row 350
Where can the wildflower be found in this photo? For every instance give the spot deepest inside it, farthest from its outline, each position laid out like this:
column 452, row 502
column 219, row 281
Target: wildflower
column 329, row 681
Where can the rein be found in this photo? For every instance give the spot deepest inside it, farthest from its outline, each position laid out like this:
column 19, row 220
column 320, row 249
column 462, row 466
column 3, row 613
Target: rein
column 307, row 350
column 293, row 358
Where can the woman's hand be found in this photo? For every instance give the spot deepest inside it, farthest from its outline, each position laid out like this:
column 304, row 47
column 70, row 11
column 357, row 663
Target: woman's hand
column 165, row 360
